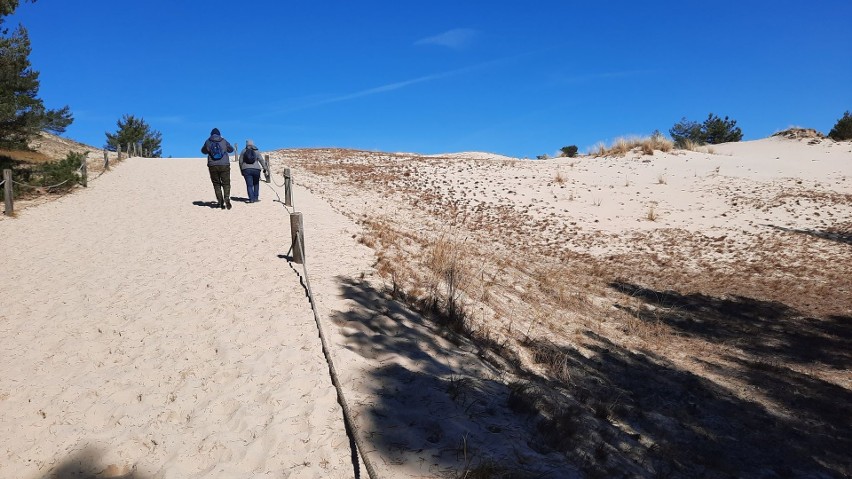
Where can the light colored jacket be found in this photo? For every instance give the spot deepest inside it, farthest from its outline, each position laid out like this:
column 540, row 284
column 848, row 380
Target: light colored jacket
column 259, row 164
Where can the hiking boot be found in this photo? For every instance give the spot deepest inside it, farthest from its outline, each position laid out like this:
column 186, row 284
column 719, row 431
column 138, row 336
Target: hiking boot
column 228, row 205
column 221, row 205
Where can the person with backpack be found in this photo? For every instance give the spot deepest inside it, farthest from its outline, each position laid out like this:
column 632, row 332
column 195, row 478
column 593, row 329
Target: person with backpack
column 217, row 148
column 251, row 164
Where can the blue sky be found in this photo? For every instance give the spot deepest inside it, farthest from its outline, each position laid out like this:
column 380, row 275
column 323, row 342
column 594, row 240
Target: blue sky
column 509, row 77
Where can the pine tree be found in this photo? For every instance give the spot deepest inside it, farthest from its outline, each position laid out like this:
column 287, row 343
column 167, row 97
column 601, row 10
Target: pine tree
column 22, row 112
column 132, row 131
column 842, row 129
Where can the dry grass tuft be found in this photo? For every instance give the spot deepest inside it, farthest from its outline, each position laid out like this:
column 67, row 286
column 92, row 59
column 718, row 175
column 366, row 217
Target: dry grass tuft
column 559, row 178
column 623, row 145
column 651, row 215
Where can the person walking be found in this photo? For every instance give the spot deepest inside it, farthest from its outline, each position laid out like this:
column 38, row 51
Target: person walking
column 251, row 164
column 217, row 148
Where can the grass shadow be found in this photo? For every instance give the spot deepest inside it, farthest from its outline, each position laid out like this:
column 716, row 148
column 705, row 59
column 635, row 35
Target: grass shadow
column 762, row 329
column 636, row 414
column 432, row 406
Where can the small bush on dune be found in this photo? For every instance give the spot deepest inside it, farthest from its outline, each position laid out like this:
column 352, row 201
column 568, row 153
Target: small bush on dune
column 569, row 151
column 842, row 129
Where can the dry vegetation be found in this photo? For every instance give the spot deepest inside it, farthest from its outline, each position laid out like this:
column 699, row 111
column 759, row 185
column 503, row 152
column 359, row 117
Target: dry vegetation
column 623, row 145
column 46, row 148
column 725, row 356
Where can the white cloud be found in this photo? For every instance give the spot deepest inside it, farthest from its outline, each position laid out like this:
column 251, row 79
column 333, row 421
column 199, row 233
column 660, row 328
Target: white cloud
column 456, row 39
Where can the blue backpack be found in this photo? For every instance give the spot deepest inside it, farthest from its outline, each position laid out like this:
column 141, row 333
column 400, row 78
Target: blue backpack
column 215, row 150
column 250, row 157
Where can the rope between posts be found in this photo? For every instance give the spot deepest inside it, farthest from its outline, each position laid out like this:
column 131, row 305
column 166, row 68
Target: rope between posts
column 36, row 186
column 46, row 187
column 1, row 182
column 347, row 413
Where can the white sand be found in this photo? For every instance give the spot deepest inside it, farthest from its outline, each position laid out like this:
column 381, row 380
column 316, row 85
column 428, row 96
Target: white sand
column 149, row 334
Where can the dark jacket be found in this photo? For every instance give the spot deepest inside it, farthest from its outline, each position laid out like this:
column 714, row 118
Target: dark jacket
column 223, row 143
column 259, row 164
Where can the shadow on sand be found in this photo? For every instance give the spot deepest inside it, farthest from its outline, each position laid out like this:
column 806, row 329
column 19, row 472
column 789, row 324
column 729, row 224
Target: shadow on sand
column 86, row 464
column 620, row 413
column 208, row 204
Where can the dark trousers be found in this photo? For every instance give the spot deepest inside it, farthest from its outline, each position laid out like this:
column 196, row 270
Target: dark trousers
column 252, row 177
column 221, row 178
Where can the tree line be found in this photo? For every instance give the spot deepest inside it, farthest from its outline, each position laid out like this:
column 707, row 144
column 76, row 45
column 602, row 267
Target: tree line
column 23, row 114
column 687, row 134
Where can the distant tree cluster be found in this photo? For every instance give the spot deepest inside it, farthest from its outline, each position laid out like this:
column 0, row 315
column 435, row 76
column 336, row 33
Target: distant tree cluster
column 569, row 151
column 713, row 131
column 135, row 131
column 842, row 129
column 22, row 112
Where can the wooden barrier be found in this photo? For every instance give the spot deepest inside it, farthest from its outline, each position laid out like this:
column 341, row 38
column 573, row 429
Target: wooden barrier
column 298, row 236
column 84, row 173
column 106, row 160
column 7, row 192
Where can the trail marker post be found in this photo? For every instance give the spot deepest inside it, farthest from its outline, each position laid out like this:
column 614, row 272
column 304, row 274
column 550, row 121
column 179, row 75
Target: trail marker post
column 84, row 173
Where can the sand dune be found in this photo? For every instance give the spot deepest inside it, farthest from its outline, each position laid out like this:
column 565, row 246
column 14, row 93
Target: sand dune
column 146, row 335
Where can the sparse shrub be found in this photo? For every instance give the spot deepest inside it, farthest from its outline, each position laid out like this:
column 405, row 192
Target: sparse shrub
column 569, row 151
column 57, row 175
column 541, row 157
column 842, row 130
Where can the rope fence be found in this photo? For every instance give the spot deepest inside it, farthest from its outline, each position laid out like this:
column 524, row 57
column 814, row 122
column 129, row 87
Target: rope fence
column 83, row 171
column 297, row 247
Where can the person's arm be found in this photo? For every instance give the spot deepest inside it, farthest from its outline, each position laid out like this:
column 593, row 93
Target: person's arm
column 230, row 146
column 204, row 149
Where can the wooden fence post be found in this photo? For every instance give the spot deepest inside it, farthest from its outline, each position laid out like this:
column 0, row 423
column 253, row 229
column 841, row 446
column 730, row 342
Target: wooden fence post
column 268, row 168
column 84, row 172
column 118, row 151
column 288, row 190
column 297, row 233
column 106, row 160
column 7, row 192
column 236, row 152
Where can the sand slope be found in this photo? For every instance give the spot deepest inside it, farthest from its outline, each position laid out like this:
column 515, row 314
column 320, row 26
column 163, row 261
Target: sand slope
column 145, row 331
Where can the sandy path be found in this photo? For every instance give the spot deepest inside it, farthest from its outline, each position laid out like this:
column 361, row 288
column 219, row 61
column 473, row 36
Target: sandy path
column 142, row 330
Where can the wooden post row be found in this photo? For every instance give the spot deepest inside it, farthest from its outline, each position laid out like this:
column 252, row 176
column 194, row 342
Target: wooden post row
column 297, row 234
column 7, row 192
